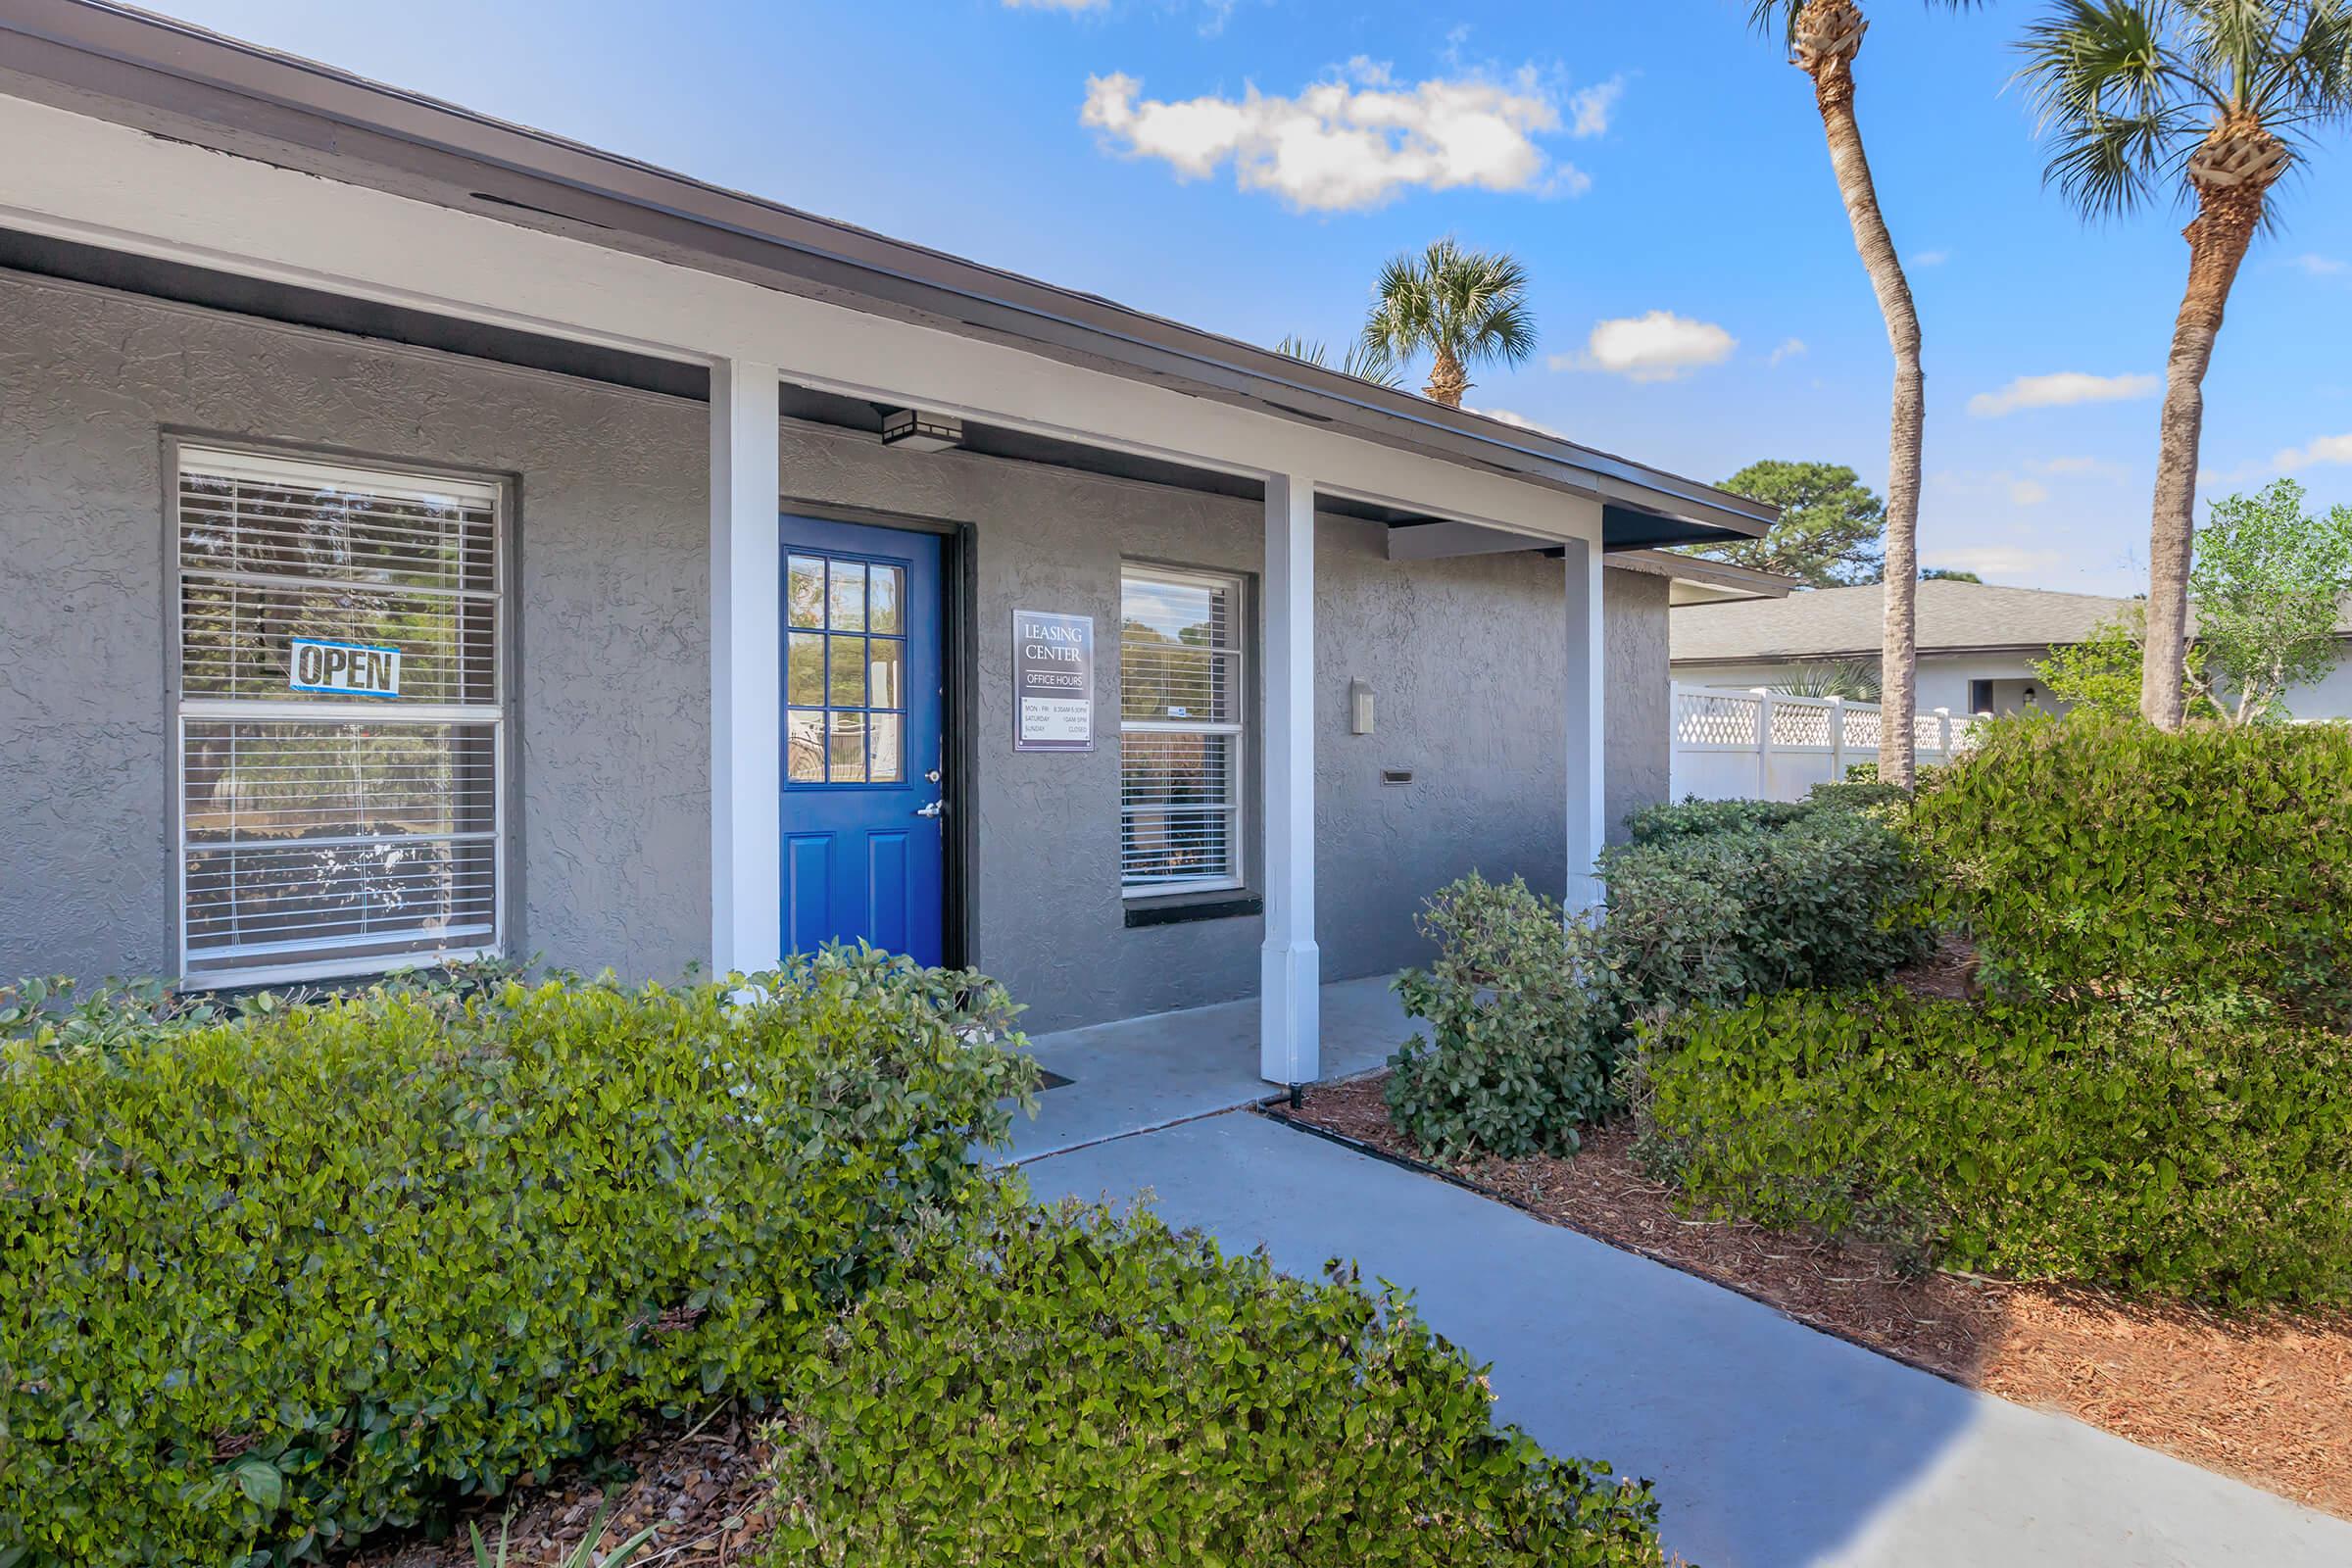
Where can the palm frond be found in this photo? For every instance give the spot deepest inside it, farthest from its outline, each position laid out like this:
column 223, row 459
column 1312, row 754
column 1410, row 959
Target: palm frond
column 2228, row 41
column 2126, row 89
column 2117, row 99
column 1362, row 360
column 2311, row 80
column 2110, row 165
column 1769, row 17
column 1469, row 304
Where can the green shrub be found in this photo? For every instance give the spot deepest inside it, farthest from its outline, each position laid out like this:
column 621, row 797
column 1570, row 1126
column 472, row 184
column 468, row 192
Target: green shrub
column 1076, row 1387
column 1516, row 1059
column 2202, row 1151
column 1696, row 819
column 1861, row 795
column 2100, row 855
column 267, row 1285
column 1825, row 898
column 54, row 1015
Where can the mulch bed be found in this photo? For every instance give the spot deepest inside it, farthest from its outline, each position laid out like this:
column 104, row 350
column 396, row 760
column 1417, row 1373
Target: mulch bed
column 2267, row 1397
column 698, row 1481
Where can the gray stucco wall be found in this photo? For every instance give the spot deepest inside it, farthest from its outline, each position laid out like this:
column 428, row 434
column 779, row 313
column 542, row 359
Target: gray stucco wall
column 612, row 856
column 611, row 849
column 1460, row 654
column 1638, row 760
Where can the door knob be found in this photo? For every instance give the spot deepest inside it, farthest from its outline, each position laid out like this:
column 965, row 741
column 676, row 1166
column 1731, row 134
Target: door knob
column 933, row 809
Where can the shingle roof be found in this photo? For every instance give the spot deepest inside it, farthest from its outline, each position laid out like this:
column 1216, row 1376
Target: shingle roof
column 1843, row 623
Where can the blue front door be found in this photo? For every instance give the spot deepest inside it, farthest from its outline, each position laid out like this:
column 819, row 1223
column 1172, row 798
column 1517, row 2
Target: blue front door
column 864, row 841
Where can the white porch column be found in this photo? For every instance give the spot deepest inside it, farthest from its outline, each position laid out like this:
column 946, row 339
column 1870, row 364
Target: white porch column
column 747, row 743
column 1587, row 790
column 1290, row 969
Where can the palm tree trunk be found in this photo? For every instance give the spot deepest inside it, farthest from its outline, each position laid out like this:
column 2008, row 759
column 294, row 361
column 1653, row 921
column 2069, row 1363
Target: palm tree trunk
column 1834, row 95
column 2218, row 237
column 1447, row 380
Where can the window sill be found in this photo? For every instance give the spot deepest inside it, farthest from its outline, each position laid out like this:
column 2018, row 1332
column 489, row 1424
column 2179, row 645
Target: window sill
column 1223, row 906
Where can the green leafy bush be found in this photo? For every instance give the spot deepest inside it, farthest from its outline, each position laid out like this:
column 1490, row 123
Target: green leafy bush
column 2197, row 1151
column 54, row 1015
column 270, row 1284
column 1813, row 894
column 2102, row 856
column 1861, row 795
column 1695, row 818
column 1077, row 1387
column 1516, row 1059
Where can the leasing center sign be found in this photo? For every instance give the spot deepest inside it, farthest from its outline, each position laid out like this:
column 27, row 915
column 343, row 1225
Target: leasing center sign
column 1053, row 681
column 350, row 669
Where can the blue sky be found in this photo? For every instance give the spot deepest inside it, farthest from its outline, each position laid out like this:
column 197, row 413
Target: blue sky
column 1659, row 168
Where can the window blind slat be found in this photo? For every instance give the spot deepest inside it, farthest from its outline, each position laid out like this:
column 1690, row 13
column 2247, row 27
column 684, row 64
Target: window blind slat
column 1180, row 745
column 370, row 833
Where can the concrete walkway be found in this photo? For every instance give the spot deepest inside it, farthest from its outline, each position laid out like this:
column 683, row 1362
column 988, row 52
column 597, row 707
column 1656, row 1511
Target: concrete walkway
column 1139, row 1073
column 1772, row 1445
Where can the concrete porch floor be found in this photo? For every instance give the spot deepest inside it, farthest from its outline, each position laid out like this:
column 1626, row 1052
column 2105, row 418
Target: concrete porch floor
column 1136, row 1074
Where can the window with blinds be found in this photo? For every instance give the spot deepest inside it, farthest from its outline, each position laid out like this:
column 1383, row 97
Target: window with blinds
column 341, row 717
column 1181, row 704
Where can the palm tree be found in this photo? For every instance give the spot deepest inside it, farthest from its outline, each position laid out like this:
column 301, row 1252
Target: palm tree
column 1362, row 360
column 2136, row 94
column 1824, row 37
column 1463, row 308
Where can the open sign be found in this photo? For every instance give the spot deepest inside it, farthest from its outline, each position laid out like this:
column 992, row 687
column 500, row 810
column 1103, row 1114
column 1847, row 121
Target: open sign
column 354, row 670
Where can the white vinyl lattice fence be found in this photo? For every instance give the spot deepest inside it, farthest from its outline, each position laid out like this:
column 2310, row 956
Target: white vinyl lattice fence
column 1765, row 745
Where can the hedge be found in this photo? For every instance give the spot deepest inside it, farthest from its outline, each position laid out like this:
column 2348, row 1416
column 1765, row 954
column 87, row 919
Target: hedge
column 2102, row 856
column 1080, row 1388
column 1517, row 1055
column 1716, row 900
column 2189, row 1152
column 268, row 1285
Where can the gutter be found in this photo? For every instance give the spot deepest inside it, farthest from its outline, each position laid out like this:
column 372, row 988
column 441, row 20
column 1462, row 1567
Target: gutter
column 237, row 98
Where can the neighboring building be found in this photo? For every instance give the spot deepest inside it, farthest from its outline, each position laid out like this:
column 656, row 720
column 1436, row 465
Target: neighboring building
column 1978, row 642
column 428, row 536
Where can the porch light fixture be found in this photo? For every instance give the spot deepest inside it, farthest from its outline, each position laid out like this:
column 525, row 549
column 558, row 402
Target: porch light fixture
column 1359, row 707
column 916, row 430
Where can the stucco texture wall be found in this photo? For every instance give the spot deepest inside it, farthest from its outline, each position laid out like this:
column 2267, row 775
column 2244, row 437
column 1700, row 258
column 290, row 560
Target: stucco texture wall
column 1639, row 756
column 609, row 856
column 611, row 859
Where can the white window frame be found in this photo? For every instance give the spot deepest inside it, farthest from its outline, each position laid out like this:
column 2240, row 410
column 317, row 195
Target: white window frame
column 1236, row 729
column 393, row 478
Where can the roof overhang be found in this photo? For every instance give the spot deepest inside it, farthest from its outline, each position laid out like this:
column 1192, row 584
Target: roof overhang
column 1720, row 581
column 1810, row 655
column 177, row 81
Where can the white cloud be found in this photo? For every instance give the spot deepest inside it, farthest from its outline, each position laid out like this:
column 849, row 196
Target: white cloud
column 1055, row 4
column 1659, row 347
column 2328, row 449
column 2321, row 452
column 2000, row 560
column 1521, row 421
column 2060, row 390
column 2319, row 266
column 1931, row 258
column 1357, row 140
column 1790, row 348
column 2028, row 492
column 1590, row 108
